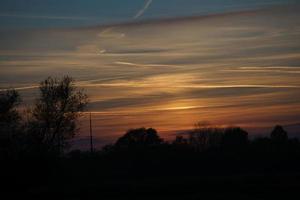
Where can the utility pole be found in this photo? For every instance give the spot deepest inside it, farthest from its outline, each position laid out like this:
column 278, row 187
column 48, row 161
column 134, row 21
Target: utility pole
column 91, row 134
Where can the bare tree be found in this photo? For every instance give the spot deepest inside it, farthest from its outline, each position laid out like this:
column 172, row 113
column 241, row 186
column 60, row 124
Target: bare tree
column 55, row 114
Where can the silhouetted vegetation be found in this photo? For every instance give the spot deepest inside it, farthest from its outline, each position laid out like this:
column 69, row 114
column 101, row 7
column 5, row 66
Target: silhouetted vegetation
column 55, row 114
column 9, row 122
column 49, row 124
column 136, row 138
column 207, row 162
column 279, row 134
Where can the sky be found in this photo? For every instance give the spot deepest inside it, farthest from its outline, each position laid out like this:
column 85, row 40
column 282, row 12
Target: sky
column 237, row 68
column 16, row 14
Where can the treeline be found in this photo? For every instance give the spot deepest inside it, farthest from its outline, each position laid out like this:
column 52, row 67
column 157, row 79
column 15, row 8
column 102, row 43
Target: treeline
column 203, row 138
column 45, row 128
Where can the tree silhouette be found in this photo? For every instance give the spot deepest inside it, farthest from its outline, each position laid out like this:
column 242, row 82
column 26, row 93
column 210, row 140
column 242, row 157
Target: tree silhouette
column 139, row 138
column 180, row 141
column 279, row 134
column 55, row 114
column 9, row 119
column 235, row 137
column 205, row 136
column 9, row 116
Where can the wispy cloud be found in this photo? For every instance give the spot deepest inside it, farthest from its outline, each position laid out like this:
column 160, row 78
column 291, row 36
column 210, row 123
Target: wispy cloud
column 20, row 88
column 49, row 17
column 143, row 10
column 144, row 65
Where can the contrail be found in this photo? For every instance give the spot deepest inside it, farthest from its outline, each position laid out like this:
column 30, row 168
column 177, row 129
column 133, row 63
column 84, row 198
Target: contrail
column 142, row 11
column 138, row 15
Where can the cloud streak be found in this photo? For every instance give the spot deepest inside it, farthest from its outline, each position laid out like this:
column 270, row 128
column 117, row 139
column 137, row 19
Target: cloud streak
column 45, row 17
column 143, row 10
column 21, row 88
column 144, row 65
column 109, row 31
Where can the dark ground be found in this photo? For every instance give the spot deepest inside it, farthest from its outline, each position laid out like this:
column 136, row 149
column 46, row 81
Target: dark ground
column 161, row 172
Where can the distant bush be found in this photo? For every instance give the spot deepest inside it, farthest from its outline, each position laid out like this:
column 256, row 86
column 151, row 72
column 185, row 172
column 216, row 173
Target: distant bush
column 141, row 137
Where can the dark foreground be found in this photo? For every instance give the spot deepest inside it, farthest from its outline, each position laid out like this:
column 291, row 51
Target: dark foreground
column 260, row 170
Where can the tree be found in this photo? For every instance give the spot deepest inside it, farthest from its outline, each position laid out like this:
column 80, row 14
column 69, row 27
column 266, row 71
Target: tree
column 180, row 141
column 141, row 137
column 55, row 114
column 205, row 136
column 9, row 119
column 235, row 137
column 9, row 116
column 279, row 134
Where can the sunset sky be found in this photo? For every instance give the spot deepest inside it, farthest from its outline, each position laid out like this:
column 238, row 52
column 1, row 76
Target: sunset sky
column 164, row 64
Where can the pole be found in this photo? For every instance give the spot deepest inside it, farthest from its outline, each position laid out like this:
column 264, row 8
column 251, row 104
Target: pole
column 91, row 134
